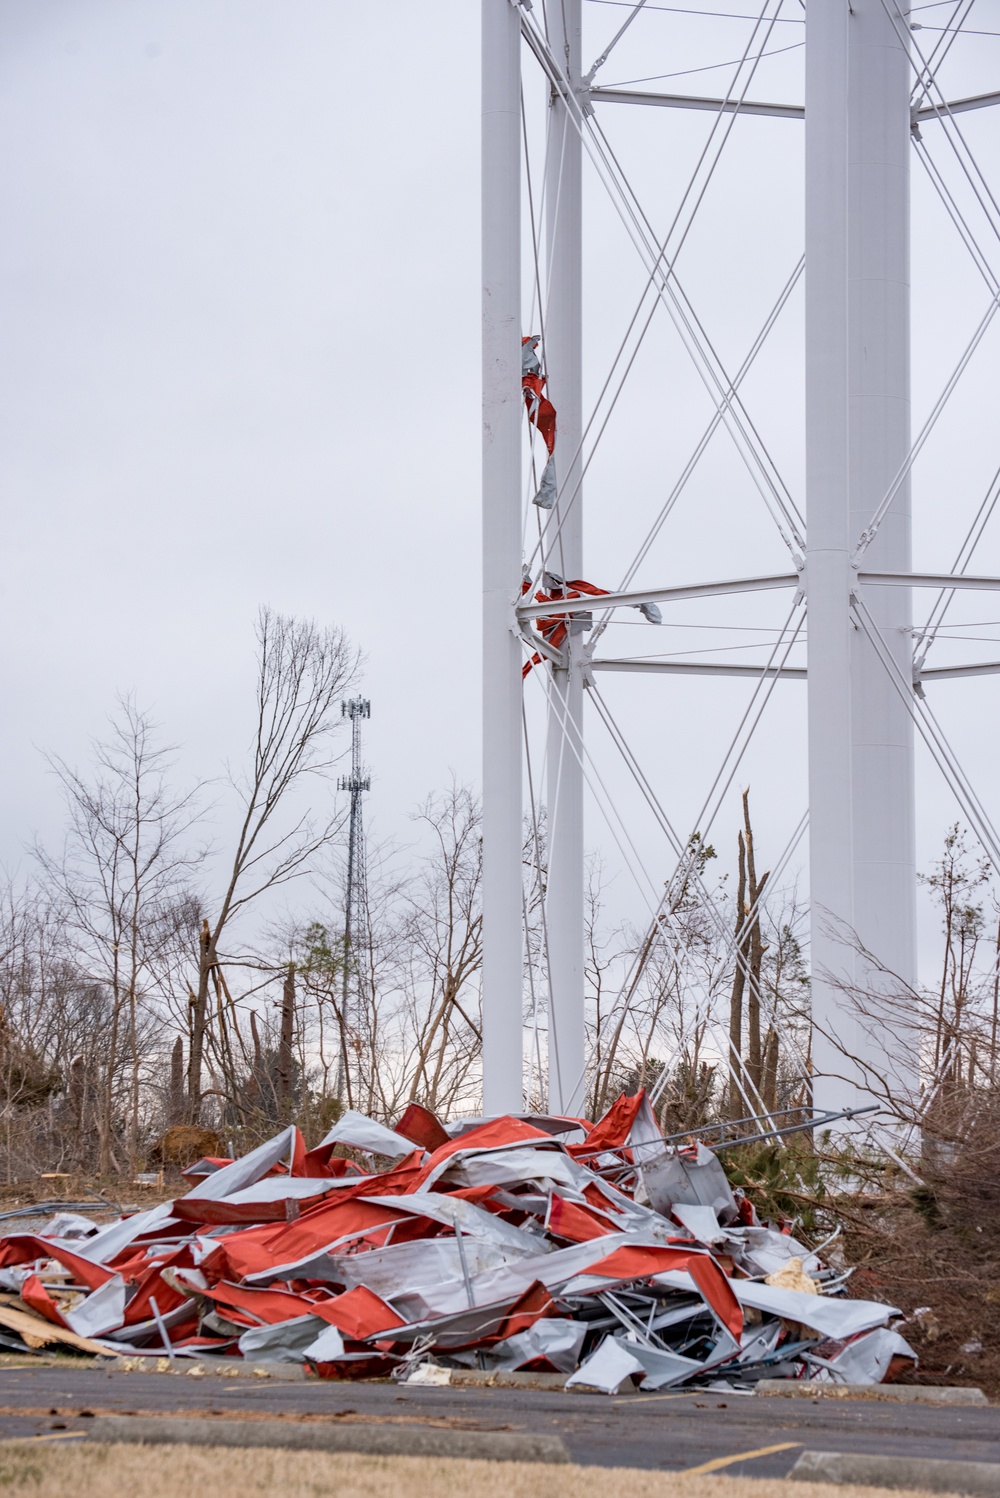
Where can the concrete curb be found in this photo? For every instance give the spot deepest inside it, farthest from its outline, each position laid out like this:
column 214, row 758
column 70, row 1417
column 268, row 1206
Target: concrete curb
column 372, row 1440
column 894, row 1393
column 979, row 1478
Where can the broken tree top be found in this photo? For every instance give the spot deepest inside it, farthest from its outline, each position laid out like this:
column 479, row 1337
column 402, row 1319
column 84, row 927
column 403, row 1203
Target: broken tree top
column 593, row 1250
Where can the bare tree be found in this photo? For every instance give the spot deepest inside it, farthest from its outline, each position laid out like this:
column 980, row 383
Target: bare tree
column 303, row 671
column 121, row 879
column 655, row 980
column 929, row 1051
column 748, row 1064
column 956, row 880
column 443, row 921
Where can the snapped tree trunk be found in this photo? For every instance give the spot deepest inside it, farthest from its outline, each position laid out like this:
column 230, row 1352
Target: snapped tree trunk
column 754, row 949
column 175, row 1104
column 286, row 1044
column 736, row 1105
column 769, row 1077
column 76, row 1094
column 199, row 1021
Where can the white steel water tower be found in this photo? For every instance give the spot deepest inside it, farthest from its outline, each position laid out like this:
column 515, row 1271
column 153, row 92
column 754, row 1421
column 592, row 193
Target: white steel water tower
column 869, row 93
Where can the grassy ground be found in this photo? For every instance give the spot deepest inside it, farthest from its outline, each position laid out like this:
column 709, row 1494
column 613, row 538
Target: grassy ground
column 38, row 1470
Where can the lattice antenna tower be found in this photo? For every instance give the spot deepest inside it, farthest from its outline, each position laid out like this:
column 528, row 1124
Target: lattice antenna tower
column 355, row 904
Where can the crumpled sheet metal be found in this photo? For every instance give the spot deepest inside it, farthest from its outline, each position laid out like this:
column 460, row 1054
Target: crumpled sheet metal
column 590, row 1250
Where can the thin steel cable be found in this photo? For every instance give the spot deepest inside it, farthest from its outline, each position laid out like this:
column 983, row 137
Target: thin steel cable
column 650, row 285
column 699, row 450
column 871, row 530
column 725, row 15
column 536, row 299
column 964, row 31
column 927, row 81
column 701, row 827
column 723, row 382
column 602, row 59
column 704, row 650
column 687, row 72
column 935, row 621
column 618, row 738
column 933, row 737
column 953, row 211
column 772, row 1013
column 655, row 911
column 927, row 78
column 584, row 759
column 668, row 288
column 537, row 847
column 945, row 43
column 713, row 425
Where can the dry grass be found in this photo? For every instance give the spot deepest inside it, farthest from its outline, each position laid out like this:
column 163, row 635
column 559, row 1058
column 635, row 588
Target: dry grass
column 37, row 1470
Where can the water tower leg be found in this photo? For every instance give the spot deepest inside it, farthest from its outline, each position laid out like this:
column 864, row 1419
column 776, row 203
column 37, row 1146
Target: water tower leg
column 564, row 771
column 502, row 421
column 861, row 795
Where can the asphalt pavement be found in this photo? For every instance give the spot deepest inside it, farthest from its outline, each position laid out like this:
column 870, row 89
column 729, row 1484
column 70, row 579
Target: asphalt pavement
column 740, row 1434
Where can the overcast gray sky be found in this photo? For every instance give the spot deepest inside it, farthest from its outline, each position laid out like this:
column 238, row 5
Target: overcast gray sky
column 239, row 363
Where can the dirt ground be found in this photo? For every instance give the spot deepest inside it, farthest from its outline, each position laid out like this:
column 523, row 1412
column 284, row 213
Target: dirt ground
column 39, row 1470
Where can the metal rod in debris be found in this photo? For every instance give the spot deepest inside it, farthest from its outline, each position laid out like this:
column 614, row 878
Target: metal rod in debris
column 799, row 1128
column 816, row 1122
column 465, row 1268
column 161, row 1327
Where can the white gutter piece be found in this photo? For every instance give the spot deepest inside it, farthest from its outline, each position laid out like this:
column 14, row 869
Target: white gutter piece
column 328, row 1346
column 415, row 1270
column 456, row 1330
column 135, row 1338
column 247, row 1170
column 362, row 1133
column 284, row 1341
column 663, row 1368
column 289, row 1188
column 555, row 1338
column 68, row 1225
column 701, row 1223
column 474, row 1221
column 320, row 1264
column 864, row 1361
column 607, row 1368
column 822, row 1313
column 109, row 1241
column 549, row 1147
column 507, row 1165
column 512, row 1279
column 645, row 1134
column 103, row 1310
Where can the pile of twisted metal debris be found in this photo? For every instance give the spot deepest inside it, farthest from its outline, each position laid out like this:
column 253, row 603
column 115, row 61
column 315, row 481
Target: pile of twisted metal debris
column 598, row 1251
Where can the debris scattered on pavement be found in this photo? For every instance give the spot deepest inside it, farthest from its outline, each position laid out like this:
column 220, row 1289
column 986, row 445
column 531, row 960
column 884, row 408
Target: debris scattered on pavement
column 595, row 1251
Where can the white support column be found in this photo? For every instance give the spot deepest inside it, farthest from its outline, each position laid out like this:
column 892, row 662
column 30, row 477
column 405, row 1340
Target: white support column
column 857, row 434
column 502, row 437
column 828, row 569
column 879, row 397
column 564, row 772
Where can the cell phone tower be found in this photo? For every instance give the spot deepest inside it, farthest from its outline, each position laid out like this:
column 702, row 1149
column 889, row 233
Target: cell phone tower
column 355, row 902
column 875, row 99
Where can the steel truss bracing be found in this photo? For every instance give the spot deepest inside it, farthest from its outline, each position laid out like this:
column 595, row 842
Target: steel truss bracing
column 870, row 94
